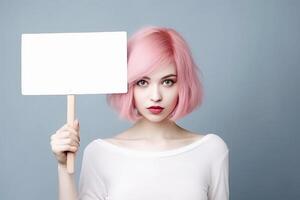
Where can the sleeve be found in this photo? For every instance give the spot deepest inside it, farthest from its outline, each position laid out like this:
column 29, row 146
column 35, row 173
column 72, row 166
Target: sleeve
column 91, row 187
column 219, row 188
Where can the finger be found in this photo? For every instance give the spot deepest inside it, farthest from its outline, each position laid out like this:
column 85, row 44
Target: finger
column 76, row 125
column 71, row 129
column 52, row 137
column 67, row 135
column 63, row 127
column 61, row 133
column 62, row 148
column 66, row 141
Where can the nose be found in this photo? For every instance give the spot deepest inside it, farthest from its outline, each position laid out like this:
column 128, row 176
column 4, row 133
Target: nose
column 155, row 94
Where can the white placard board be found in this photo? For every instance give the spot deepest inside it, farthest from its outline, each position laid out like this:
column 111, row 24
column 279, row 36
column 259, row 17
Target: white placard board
column 74, row 63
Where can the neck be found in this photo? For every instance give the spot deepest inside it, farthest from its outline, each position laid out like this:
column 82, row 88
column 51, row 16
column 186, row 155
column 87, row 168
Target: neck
column 155, row 131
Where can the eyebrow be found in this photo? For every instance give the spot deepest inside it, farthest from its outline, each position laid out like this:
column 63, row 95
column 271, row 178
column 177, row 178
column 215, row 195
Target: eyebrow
column 167, row 76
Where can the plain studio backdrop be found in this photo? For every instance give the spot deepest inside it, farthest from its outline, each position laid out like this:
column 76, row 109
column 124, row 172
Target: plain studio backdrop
column 248, row 52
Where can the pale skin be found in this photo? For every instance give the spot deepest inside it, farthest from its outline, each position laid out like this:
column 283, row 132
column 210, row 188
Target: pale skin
column 153, row 132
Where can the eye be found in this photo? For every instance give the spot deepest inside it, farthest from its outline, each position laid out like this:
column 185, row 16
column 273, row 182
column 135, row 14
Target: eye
column 141, row 83
column 168, row 82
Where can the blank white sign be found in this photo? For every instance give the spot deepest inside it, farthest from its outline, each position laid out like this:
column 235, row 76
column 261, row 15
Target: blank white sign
column 74, row 63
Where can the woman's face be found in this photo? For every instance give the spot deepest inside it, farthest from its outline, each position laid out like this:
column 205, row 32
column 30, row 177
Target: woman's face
column 158, row 90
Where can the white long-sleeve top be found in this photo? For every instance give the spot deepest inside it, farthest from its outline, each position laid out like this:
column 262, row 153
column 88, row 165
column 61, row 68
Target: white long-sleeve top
column 197, row 171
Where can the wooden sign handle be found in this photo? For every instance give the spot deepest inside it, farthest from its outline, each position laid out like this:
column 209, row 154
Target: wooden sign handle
column 70, row 120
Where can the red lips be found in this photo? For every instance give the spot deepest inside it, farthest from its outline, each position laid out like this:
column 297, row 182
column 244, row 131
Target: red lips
column 155, row 109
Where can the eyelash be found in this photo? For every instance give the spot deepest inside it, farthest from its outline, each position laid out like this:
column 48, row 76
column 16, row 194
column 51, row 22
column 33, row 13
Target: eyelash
column 137, row 83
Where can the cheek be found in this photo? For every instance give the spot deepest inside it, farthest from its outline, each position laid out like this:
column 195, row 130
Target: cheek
column 137, row 97
column 174, row 94
column 175, row 100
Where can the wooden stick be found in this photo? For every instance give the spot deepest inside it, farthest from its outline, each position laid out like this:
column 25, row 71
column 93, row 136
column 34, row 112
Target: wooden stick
column 70, row 120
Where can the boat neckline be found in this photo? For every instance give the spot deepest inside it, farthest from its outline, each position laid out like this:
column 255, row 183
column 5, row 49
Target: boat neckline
column 168, row 152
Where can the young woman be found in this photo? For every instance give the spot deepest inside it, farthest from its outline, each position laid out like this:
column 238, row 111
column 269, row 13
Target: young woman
column 155, row 159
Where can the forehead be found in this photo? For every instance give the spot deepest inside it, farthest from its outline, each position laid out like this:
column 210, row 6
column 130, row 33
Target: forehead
column 163, row 70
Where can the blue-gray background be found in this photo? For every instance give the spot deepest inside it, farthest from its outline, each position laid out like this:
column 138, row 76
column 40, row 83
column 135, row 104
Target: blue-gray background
column 248, row 52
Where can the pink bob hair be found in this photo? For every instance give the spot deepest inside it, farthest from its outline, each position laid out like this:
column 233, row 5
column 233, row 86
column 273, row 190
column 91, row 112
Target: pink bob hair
column 152, row 47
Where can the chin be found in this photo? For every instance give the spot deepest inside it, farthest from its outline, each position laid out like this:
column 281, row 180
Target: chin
column 155, row 118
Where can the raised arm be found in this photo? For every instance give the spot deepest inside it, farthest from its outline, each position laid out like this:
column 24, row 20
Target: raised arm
column 65, row 139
